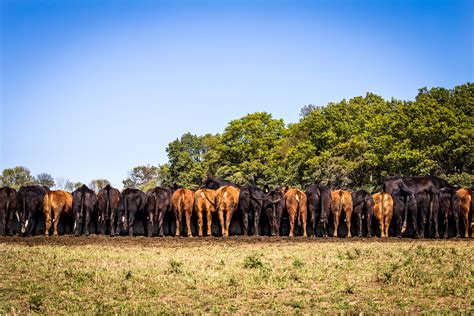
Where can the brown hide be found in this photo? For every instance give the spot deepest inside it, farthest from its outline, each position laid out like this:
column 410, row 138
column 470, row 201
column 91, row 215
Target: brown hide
column 341, row 201
column 295, row 203
column 183, row 203
column 465, row 197
column 205, row 201
column 227, row 200
column 54, row 204
column 383, row 211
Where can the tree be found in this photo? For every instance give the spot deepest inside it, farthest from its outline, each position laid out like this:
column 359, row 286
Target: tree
column 142, row 177
column 98, row 184
column 248, row 149
column 45, row 179
column 191, row 159
column 16, row 177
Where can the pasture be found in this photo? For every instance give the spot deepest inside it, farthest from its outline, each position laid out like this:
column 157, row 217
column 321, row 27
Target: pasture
column 99, row 274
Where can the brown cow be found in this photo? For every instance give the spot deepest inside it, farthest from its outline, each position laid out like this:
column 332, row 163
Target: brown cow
column 205, row 200
column 227, row 200
column 183, row 202
column 54, row 204
column 341, row 200
column 296, row 205
column 465, row 195
column 383, row 211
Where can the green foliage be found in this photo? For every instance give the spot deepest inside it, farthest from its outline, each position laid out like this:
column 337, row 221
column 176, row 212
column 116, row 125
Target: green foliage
column 45, row 179
column 142, row 177
column 350, row 144
column 16, row 177
column 98, row 184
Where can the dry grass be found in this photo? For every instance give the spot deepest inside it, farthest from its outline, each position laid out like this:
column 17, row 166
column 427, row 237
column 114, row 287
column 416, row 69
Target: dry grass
column 245, row 275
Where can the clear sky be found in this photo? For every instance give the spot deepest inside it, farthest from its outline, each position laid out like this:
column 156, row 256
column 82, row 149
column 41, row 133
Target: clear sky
column 90, row 89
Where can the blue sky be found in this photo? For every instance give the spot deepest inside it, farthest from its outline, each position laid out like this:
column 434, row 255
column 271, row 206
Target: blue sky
column 90, row 89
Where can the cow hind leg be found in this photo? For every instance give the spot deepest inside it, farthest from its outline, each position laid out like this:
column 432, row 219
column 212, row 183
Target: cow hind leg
column 291, row 215
column 87, row 222
column 188, row 214
column 209, row 222
column 348, row 213
column 57, row 216
column 228, row 219
column 200, row 221
column 47, row 223
column 336, row 223
column 177, row 215
column 151, row 219
column 465, row 218
column 220, row 214
column 256, row 221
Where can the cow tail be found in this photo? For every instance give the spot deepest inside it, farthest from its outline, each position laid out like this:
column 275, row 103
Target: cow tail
column 322, row 205
column 382, row 209
column 404, row 226
column 341, row 201
column 47, row 204
column 107, row 203
column 8, row 205
column 82, row 204
column 156, row 203
column 300, row 215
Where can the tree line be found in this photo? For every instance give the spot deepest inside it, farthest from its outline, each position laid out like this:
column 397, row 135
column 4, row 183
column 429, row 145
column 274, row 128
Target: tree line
column 348, row 144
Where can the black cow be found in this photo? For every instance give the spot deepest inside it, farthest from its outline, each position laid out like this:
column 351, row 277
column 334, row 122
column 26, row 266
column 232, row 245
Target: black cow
column 410, row 186
column 30, row 206
column 423, row 206
column 251, row 202
column 83, row 205
column 7, row 209
column 363, row 207
column 158, row 203
column 274, row 205
column 449, row 204
column 404, row 201
column 133, row 202
column 319, row 203
column 108, row 201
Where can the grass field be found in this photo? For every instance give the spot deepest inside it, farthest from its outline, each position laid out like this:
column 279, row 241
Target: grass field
column 245, row 275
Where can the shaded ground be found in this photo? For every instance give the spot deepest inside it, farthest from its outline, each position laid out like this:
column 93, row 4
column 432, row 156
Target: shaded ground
column 99, row 274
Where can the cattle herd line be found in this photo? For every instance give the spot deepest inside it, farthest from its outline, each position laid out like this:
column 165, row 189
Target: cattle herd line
column 416, row 201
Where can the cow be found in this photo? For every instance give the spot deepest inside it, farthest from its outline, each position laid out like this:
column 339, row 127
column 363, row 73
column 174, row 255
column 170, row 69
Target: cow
column 251, row 204
column 296, row 206
column 30, row 204
column 319, row 205
column 410, row 186
column 274, row 205
column 133, row 202
column 183, row 204
column 108, row 202
column 465, row 195
column 158, row 203
column 341, row 200
column 449, row 204
column 8, row 208
column 227, row 201
column 383, row 211
column 205, row 201
column 401, row 202
column 83, row 205
column 56, row 203
column 423, row 206
column 363, row 205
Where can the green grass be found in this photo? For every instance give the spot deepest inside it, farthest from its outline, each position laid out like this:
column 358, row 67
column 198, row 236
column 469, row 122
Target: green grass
column 241, row 275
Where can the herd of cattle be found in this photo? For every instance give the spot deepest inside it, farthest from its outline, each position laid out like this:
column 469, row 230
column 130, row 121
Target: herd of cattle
column 416, row 201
